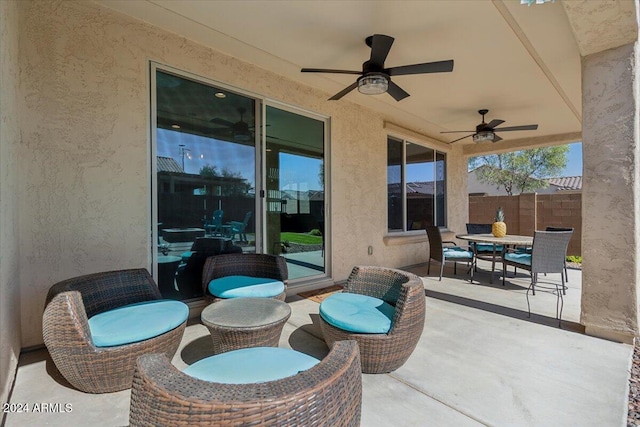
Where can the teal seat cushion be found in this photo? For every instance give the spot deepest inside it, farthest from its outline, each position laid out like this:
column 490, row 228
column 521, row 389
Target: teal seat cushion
column 357, row 313
column 521, row 258
column 186, row 255
column 251, row 365
column 457, row 253
column 245, row 286
column 136, row 322
column 487, row 247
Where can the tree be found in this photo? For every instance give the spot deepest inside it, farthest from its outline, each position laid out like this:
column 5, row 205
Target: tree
column 209, row 171
column 522, row 170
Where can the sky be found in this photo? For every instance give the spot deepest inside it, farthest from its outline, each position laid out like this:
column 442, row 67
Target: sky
column 297, row 173
column 574, row 160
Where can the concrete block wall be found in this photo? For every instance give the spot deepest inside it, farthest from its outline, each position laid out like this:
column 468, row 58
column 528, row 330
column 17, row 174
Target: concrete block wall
column 526, row 213
column 562, row 210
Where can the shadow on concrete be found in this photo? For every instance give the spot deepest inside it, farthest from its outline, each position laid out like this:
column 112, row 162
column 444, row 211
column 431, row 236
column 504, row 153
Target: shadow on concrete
column 506, row 311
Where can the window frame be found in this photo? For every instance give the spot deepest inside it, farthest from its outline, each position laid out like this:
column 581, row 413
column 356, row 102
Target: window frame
column 403, row 175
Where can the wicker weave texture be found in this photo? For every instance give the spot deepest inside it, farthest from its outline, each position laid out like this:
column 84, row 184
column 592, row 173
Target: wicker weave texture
column 67, row 337
column 329, row 394
column 548, row 252
column 249, row 264
column 255, row 332
column 382, row 353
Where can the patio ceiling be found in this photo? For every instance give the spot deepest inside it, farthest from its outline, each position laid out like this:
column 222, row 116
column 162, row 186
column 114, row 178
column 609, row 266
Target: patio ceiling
column 521, row 62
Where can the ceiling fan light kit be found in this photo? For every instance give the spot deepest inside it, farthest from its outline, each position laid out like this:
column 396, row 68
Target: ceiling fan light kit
column 373, row 84
column 483, row 136
column 375, row 78
column 487, row 131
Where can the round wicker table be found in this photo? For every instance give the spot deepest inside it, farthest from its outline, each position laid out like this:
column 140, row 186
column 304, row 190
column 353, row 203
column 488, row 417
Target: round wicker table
column 245, row 322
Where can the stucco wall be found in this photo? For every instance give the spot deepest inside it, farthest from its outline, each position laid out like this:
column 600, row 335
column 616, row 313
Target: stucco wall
column 611, row 155
column 85, row 156
column 9, row 251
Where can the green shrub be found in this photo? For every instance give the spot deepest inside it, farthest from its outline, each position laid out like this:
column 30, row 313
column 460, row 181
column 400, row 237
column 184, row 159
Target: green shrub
column 315, row 232
column 574, row 258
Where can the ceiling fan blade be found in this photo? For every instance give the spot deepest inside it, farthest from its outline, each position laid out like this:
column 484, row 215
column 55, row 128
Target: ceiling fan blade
column 427, row 67
column 523, row 127
column 495, row 122
column 344, row 91
column 458, row 131
column 380, row 47
column 222, row 122
column 496, row 138
column 324, row 70
column 396, row 91
column 459, row 139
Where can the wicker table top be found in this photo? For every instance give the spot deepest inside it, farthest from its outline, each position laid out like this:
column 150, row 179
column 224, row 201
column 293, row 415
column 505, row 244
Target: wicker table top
column 239, row 313
column 509, row 239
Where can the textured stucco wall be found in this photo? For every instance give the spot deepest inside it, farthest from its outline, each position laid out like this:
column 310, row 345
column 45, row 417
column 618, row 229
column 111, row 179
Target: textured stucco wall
column 611, row 154
column 9, row 250
column 85, row 186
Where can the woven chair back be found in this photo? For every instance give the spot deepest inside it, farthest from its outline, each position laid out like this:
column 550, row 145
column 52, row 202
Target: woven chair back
column 549, row 251
column 435, row 243
column 378, row 282
column 110, row 289
column 478, row 228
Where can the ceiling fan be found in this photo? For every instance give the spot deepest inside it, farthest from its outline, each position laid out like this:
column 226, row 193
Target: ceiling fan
column 240, row 130
column 375, row 78
column 487, row 131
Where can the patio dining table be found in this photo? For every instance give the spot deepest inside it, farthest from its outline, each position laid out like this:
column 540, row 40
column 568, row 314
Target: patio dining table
column 505, row 241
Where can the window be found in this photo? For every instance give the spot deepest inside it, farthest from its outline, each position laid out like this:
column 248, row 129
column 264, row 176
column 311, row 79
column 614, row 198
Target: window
column 416, row 186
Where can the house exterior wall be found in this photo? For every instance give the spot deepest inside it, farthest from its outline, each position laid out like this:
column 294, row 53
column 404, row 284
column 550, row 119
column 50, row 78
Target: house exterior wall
column 611, row 191
column 9, row 249
column 84, row 161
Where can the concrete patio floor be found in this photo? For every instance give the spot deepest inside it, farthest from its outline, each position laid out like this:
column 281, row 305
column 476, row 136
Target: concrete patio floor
column 480, row 361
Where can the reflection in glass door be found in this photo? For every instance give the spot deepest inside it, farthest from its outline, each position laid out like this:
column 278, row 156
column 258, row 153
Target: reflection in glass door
column 295, row 184
column 205, row 160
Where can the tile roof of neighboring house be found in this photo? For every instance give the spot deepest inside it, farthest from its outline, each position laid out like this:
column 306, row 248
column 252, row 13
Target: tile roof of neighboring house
column 168, row 164
column 567, row 183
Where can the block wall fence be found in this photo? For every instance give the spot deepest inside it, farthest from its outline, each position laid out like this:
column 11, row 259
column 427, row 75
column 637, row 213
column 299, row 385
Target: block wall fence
column 526, row 213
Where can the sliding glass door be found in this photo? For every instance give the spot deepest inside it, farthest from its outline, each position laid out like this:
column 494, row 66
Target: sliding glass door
column 295, row 190
column 225, row 182
column 205, row 154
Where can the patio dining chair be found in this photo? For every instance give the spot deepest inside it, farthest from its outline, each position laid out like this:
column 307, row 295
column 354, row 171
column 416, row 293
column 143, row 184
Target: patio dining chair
column 551, row 228
column 547, row 255
column 447, row 251
column 484, row 251
column 329, row 393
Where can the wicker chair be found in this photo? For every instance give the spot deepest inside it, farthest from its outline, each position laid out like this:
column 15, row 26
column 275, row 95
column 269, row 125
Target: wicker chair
column 449, row 253
column 66, row 332
column 245, row 264
column 329, row 394
column 380, row 353
column 548, row 255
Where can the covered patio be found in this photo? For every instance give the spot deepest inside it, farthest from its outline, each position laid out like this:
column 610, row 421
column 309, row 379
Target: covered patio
column 77, row 193
column 480, row 361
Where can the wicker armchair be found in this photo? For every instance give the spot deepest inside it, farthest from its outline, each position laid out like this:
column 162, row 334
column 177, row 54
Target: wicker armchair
column 245, row 264
column 548, row 255
column 381, row 353
column 329, row 394
column 67, row 336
